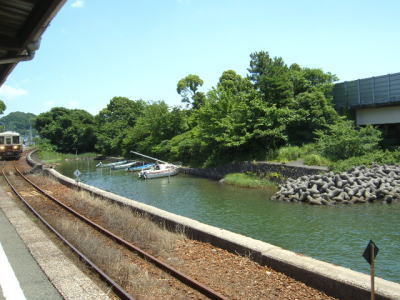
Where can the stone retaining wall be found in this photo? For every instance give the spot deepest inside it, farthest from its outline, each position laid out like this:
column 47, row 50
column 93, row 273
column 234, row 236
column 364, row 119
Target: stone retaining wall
column 287, row 171
column 334, row 280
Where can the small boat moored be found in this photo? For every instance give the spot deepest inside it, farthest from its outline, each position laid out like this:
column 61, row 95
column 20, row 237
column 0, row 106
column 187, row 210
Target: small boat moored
column 124, row 166
column 140, row 168
column 159, row 170
column 110, row 165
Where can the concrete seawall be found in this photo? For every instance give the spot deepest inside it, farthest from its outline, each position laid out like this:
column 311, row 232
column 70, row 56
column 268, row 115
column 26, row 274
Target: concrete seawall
column 286, row 170
column 334, row 280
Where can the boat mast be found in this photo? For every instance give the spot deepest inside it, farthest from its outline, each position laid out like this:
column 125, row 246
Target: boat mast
column 158, row 160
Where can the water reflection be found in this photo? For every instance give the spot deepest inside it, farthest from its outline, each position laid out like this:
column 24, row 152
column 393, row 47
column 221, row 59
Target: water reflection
column 337, row 234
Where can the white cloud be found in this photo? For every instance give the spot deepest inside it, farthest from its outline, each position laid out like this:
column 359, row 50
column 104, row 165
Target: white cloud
column 78, row 3
column 9, row 92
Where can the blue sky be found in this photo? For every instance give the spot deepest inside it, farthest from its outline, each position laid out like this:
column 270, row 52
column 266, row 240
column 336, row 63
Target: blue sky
column 97, row 49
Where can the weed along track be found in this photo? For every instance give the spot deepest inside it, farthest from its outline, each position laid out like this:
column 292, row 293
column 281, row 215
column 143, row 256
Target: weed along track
column 129, row 251
column 47, row 209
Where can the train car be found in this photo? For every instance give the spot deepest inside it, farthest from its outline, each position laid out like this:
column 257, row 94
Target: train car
column 10, row 145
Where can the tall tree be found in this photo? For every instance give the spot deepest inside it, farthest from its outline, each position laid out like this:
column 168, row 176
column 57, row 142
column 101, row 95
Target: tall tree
column 113, row 122
column 307, row 79
column 271, row 77
column 236, row 123
column 187, row 87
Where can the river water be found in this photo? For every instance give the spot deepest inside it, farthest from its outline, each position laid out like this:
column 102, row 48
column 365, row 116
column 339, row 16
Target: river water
column 337, row 234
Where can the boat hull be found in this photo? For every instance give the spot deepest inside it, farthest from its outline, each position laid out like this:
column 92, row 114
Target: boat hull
column 140, row 168
column 124, row 166
column 150, row 174
column 110, row 165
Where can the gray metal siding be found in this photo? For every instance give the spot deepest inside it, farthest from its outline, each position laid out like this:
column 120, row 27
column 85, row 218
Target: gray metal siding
column 373, row 91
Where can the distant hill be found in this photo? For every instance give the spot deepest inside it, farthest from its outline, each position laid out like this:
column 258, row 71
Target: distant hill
column 19, row 122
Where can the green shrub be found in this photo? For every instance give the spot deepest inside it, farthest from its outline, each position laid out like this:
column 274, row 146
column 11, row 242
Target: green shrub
column 45, row 145
column 378, row 157
column 315, row 160
column 309, row 149
column 275, row 177
column 342, row 140
column 288, row 153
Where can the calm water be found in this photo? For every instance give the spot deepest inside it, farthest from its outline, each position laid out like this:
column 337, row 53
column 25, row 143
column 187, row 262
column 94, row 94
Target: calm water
column 334, row 234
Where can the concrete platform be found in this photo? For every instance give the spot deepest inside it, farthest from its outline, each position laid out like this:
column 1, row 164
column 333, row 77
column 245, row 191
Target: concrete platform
column 32, row 266
column 23, row 277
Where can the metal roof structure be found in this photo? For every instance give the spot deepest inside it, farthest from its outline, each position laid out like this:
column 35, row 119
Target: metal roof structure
column 368, row 92
column 22, row 22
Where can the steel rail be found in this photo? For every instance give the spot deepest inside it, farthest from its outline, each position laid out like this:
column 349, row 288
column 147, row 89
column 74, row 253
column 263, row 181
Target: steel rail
column 162, row 265
column 115, row 286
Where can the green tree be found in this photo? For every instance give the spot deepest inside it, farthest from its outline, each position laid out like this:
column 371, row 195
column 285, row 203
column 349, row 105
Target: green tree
column 157, row 124
column 236, row 123
column 307, row 79
column 187, row 87
column 310, row 111
column 188, row 148
column 2, row 107
column 272, row 78
column 69, row 130
column 113, row 123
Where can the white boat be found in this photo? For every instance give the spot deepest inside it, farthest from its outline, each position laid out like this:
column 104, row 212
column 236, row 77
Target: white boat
column 110, row 165
column 159, row 170
column 124, row 166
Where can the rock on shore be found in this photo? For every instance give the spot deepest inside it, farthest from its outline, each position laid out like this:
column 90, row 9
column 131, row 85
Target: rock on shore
column 358, row 185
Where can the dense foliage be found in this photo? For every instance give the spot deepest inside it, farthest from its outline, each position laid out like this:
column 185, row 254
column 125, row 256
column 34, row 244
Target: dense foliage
column 20, row 122
column 240, row 118
column 342, row 140
column 69, row 130
column 113, row 123
column 157, row 124
column 2, row 107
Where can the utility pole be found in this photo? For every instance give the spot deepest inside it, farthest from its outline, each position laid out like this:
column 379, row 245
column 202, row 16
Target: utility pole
column 30, row 133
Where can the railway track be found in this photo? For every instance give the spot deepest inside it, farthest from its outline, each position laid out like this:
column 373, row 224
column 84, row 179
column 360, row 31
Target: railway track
column 43, row 204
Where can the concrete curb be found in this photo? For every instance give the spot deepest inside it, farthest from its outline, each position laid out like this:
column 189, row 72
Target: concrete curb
column 334, row 280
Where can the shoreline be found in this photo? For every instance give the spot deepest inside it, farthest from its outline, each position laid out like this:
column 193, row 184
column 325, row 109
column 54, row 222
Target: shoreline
column 335, row 280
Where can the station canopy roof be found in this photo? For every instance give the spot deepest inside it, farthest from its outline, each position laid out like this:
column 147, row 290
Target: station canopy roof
column 22, row 22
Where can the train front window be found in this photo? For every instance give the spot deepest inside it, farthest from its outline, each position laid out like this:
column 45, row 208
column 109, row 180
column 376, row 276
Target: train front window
column 1, row 140
column 8, row 140
column 15, row 139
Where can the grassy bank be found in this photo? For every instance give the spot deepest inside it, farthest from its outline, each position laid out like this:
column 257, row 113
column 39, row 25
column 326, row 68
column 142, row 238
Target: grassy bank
column 311, row 155
column 249, row 181
column 52, row 157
